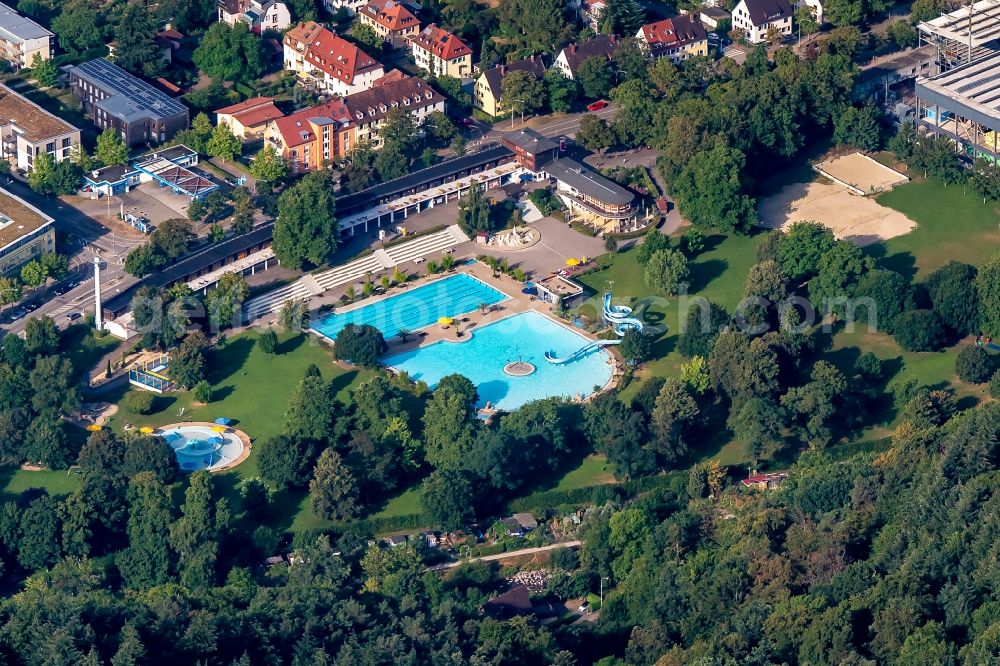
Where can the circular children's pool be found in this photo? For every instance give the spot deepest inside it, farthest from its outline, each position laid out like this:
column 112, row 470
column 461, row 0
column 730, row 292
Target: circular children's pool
column 203, row 446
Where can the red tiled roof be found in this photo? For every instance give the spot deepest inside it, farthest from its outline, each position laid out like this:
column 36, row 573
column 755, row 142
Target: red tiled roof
column 338, row 57
column 673, row 32
column 254, row 111
column 441, row 43
column 372, row 105
column 389, row 77
column 389, row 14
column 245, row 105
column 296, row 129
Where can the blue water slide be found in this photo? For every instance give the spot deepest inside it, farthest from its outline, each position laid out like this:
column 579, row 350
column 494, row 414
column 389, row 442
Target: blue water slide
column 580, row 353
column 618, row 317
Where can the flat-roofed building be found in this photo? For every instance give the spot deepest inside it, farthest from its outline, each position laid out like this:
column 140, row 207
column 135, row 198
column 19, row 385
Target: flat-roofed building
column 21, row 39
column 27, row 130
column 25, row 233
column 141, row 113
column 965, row 34
column 963, row 104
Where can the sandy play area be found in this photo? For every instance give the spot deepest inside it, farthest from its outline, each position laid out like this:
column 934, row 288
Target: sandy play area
column 859, row 219
column 861, row 173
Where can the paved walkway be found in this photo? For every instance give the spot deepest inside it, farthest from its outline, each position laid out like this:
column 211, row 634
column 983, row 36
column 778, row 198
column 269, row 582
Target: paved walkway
column 512, row 553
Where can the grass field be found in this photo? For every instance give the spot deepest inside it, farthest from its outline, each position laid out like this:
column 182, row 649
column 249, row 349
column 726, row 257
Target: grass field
column 717, row 274
column 950, row 225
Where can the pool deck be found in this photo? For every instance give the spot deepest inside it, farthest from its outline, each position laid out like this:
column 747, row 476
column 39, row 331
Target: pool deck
column 243, row 437
column 516, row 303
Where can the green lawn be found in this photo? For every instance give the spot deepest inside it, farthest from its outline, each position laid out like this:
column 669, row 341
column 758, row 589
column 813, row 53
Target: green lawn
column 950, row 225
column 251, row 387
column 717, row 274
column 593, row 471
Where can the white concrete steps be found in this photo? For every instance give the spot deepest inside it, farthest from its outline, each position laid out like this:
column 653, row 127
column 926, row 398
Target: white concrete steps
column 381, row 261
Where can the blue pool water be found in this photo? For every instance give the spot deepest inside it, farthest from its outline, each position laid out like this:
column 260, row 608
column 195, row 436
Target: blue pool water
column 415, row 309
column 526, row 337
column 197, row 447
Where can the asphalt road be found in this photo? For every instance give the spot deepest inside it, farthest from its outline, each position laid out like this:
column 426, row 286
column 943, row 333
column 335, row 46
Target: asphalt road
column 83, row 238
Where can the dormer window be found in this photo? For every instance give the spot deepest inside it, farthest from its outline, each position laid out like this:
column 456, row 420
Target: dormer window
column 382, row 108
column 406, row 101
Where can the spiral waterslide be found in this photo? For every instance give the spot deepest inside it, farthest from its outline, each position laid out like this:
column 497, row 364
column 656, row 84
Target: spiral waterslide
column 618, row 316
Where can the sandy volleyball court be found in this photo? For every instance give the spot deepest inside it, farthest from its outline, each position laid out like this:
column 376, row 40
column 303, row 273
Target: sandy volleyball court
column 837, row 201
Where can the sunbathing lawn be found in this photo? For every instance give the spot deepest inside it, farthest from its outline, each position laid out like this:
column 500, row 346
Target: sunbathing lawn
column 950, row 225
column 717, row 274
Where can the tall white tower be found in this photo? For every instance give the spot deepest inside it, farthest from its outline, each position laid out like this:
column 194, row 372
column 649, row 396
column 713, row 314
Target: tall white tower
column 98, row 313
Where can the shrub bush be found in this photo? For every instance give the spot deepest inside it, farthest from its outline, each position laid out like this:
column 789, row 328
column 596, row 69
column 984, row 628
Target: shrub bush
column 139, row 402
column 920, row 330
column 995, row 385
column 974, row 365
column 202, row 391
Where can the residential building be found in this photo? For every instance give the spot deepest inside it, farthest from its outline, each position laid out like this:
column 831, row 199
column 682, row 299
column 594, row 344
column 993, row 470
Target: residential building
column 170, row 42
column 489, row 85
column 441, row 53
column 21, row 39
column 258, row 15
column 310, row 137
column 117, row 99
column 570, row 58
column 369, row 109
column 677, row 38
column 248, row 119
column 390, row 20
column 963, row 104
column 591, row 197
column 350, row 6
column 768, row 481
column 25, row 233
column 27, row 130
column 756, row 17
column 329, row 62
column 513, row 602
column 592, row 12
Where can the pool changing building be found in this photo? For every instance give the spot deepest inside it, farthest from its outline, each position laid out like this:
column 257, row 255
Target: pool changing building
column 963, row 104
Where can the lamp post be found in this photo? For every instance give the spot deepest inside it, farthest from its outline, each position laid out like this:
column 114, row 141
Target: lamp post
column 603, row 578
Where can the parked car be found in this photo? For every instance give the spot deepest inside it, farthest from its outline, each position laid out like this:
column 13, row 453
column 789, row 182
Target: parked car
column 31, row 307
column 597, row 106
column 73, row 316
column 584, row 608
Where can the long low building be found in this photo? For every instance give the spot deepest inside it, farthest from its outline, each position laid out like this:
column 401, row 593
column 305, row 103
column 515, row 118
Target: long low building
column 25, row 232
column 964, row 104
column 170, row 167
column 27, row 130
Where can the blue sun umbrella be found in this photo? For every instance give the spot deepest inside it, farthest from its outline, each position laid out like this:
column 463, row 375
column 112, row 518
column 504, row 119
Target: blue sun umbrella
column 222, row 420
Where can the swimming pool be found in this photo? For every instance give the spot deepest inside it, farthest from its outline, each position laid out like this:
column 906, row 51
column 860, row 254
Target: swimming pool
column 200, row 447
column 523, row 337
column 417, row 308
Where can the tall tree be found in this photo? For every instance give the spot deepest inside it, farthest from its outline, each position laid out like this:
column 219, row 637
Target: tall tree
column 672, row 417
column 230, row 53
column 111, row 149
column 988, row 288
column 147, row 561
column 521, row 92
column 595, row 77
column 306, row 229
column 268, row 166
column 196, row 534
column 710, row 190
column 224, row 144
column 135, row 47
column 333, row 489
column 474, row 211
